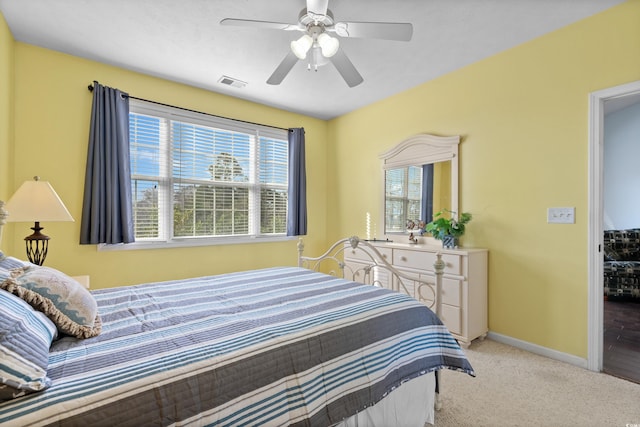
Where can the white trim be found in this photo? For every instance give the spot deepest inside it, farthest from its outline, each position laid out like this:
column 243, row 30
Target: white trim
column 539, row 350
column 595, row 317
column 194, row 242
column 596, row 211
column 421, row 149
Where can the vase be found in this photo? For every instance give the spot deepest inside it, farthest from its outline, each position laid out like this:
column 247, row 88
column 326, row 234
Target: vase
column 449, row 242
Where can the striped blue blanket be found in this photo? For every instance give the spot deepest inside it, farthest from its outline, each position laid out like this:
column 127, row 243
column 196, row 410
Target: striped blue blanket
column 279, row 346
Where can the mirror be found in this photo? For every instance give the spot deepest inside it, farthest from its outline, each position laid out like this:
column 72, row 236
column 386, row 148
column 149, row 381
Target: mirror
column 420, row 179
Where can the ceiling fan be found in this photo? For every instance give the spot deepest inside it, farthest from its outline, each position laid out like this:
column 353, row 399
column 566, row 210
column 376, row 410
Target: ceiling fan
column 318, row 46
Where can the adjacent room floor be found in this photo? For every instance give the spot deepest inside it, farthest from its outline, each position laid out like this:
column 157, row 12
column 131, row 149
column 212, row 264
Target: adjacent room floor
column 621, row 353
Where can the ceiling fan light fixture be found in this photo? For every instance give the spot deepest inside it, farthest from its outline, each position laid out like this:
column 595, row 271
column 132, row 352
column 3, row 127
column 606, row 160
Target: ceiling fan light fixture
column 317, row 59
column 301, row 46
column 328, row 44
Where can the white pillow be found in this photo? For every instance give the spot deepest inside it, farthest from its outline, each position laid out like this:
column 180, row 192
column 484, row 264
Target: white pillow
column 25, row 338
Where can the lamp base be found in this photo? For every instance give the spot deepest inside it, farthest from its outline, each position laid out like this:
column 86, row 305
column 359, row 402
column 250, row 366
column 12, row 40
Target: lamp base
column 37, row 245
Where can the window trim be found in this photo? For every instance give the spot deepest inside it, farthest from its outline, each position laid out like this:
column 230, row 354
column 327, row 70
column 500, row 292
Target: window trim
column 181, row 242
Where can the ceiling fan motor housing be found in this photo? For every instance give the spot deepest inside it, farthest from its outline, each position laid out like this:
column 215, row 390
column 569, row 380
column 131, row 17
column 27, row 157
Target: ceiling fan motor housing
column 307, row 19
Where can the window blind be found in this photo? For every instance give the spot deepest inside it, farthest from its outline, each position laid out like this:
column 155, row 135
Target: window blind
column 403, row 188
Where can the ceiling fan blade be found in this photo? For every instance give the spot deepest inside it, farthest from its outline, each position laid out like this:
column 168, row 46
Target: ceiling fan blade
column 375, row 30
column 261, row 24
column 346, row 69
column 283, row 69
column 317, row 7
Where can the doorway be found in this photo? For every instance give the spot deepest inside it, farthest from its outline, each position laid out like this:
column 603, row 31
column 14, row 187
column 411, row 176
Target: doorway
column 599, row 102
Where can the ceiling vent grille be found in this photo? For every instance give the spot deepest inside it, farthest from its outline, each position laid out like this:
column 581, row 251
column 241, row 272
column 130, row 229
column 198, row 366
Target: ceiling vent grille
column 230, row 81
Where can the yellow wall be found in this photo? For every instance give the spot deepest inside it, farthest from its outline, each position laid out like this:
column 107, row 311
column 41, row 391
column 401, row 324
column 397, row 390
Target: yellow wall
column 6, row 101
column 523, row 116
column 442, row 191
column 52, row 111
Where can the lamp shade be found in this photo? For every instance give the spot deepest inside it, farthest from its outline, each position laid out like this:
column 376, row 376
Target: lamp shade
column 301, row 46
column 328, row 44
column 36, row 201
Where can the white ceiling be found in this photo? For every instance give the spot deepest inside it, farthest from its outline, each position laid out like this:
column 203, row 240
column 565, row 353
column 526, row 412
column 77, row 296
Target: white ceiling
column 184, row 42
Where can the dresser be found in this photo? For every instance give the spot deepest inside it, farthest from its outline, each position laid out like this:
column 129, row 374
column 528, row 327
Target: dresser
column 464, row 282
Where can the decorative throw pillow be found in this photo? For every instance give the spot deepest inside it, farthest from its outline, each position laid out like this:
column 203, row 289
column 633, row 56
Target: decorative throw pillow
column 25, row 338
column 65, row 301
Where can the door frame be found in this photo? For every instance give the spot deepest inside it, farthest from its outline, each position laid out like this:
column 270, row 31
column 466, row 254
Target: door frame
column 597, row 100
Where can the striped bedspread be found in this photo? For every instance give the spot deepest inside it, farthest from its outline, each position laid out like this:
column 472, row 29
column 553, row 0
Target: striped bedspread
column 279, row 346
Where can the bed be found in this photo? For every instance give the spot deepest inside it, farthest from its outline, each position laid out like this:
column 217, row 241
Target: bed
column 280, row 346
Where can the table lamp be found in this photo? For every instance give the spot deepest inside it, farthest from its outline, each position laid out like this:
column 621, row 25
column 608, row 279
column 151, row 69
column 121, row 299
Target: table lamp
column 36, row 201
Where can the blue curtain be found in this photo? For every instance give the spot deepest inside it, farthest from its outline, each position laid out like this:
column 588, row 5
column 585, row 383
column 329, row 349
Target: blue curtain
column 107, row 214
column 297, row 201
column 427, row 193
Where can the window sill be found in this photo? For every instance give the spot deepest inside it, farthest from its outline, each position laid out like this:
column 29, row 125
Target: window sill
column 190, row 243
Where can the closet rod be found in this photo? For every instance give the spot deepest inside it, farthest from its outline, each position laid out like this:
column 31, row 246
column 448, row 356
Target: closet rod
column 90, row 87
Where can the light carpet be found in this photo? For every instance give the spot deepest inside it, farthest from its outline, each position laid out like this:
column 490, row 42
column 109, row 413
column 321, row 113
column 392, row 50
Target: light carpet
column 513, row 387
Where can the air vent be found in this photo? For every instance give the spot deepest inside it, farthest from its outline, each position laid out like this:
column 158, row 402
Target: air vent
column 230, row 81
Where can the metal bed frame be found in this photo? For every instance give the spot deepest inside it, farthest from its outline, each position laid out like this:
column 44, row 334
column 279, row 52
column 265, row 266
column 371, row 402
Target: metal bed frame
column 374, row 269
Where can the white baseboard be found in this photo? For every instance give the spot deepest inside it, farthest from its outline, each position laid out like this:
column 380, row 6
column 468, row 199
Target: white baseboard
column 538, row 349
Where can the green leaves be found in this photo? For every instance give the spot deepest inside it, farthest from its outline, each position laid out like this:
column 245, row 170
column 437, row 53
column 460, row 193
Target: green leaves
column 445, row 223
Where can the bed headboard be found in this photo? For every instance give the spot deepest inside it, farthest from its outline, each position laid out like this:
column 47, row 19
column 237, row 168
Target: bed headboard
column 373, row 269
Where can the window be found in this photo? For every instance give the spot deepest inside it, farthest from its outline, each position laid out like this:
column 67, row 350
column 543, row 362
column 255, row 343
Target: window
column 403, row 197
column 203, row 178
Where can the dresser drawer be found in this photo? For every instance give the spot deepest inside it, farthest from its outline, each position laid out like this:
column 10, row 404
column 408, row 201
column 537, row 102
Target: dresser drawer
column 404, row 258
column 452, row 318
column 450, row 315
column 451, row 292
column 360, row 255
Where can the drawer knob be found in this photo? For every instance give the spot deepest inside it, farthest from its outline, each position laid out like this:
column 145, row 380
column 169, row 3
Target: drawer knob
column 403, row 258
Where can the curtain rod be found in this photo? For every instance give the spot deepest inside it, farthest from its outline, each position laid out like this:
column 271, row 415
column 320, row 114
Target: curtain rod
column 90, row 87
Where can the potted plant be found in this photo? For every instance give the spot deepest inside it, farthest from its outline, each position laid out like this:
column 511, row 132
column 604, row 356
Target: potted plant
column 448, row 227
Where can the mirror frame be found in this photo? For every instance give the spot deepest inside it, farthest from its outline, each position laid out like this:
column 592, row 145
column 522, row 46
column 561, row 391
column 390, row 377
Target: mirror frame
column 420, row 150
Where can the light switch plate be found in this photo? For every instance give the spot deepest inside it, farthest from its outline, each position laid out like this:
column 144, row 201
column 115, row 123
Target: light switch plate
column 561, row 215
